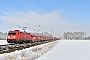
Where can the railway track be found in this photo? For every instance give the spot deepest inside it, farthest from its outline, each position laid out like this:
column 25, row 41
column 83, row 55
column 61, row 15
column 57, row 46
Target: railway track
column 13, row 47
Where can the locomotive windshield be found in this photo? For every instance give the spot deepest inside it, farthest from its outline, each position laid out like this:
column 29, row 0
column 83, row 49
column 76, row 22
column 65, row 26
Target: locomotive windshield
column 12, row 33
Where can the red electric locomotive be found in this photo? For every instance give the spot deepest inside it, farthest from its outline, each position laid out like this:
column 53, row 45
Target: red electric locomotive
column 16, row 36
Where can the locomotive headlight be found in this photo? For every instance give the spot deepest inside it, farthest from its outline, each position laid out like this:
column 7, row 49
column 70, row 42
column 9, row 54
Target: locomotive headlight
column 8, row 37
column 14, row 37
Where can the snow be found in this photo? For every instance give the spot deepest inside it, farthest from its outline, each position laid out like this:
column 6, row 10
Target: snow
column 2, row 42
column 29, row 53
column 64, row 50
column 69, row 50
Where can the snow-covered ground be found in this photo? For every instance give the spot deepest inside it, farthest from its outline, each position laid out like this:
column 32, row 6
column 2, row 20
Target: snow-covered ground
column 31, row 53
column 69, row 50
column 64, row 50
column 2, row 42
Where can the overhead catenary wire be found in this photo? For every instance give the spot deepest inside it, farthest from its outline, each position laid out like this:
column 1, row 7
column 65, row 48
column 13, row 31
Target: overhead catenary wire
column 22, row 9
column 19, row 12
column 10, row 18
column 14, row 18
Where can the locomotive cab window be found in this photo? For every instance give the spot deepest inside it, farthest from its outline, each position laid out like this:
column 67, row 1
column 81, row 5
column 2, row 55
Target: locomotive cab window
column 12, row 33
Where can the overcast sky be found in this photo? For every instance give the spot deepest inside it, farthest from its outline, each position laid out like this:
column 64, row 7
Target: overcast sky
column 60, row 15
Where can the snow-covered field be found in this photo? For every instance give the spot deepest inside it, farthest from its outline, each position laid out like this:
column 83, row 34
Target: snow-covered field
column 31, row 53
column 2, row 42
column 69, row 50
column 64, row 50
